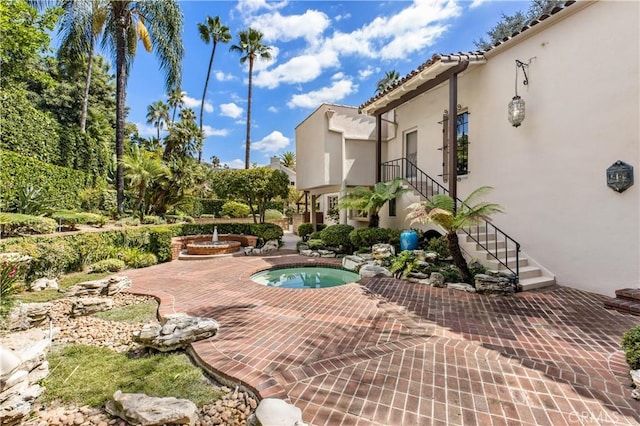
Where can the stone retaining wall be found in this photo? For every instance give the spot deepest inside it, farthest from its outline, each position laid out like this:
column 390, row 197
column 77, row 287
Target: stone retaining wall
column 180, row 243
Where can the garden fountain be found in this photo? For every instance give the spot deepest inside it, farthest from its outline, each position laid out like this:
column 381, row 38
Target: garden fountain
column 213, row 247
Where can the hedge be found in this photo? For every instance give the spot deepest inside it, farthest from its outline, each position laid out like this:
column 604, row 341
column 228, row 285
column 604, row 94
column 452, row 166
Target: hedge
column 14, row 224
column 59, row 185
column 53, row 256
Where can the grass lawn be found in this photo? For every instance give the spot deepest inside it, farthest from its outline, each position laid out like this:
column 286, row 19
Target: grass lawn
column 141, row 312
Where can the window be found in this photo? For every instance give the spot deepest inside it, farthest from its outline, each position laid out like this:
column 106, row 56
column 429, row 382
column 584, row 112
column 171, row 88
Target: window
column 332, row 200
column 392, row 208
column 462, row 154
column 411, row 153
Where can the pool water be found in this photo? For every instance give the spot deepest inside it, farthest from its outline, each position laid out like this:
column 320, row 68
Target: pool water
column 305, row 277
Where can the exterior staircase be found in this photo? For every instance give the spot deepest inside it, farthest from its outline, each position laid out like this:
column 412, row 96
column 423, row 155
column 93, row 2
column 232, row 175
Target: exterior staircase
column 494, row 249
column 627, row 301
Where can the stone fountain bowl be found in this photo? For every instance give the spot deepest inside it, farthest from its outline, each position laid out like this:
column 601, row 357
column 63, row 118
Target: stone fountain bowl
column 210, row 247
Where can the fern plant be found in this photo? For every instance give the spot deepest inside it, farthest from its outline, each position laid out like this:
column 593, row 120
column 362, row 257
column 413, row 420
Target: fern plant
column 403, row 264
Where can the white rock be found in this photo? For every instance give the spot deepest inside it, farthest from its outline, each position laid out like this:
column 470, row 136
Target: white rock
column 352, row 263
column 9, row 362
column 276, row 412
column 462, row 287
column 144, row 410
column 44, row 284
column 370, row 270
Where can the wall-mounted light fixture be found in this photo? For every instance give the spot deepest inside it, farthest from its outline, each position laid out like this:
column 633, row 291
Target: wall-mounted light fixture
column 516, row 106
column 620, row 176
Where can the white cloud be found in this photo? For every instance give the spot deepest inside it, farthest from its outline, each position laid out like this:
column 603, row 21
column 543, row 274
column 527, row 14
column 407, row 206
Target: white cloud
column 147, row 130
column 234, row 164
column 273, row 142
column 273, row 109
column 221, row 76
column 190, row 102
column 342, row 17
column 336, row 92
column 363, row 74
column 300, row 69
column 476, row 3
column 231, row 110
column 276, row 27
column 248, row 7
column 210, row 131
column 338, row 76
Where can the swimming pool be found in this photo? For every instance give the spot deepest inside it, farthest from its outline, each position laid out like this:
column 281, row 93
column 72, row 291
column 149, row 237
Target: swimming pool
column 305, row 277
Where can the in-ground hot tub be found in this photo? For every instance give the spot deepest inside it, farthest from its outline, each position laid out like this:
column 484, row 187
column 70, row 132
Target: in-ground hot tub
column 304, row 277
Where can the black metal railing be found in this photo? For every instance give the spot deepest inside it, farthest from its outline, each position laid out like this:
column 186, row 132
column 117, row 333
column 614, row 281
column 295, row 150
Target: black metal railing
column 488, row 236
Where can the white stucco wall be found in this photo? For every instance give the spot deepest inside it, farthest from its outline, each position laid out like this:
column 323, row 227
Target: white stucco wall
column 582, row 114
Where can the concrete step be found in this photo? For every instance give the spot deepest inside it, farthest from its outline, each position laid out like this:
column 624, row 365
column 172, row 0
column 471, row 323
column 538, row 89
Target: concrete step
column 499, row 253
column 529, row 272
column 510, row 261
column 536, row 283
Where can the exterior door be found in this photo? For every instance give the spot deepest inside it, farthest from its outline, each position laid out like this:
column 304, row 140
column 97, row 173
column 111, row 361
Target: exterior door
column 411, row 154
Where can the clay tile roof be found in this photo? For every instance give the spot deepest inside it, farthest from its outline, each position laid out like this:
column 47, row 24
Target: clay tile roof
column 460, row 56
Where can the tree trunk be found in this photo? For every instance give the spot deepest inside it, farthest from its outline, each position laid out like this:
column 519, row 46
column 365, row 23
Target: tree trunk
column 121, row 96
column 247, row 151
column 204, row 94
column 458, row 258
column 85, row 99
column 374, row 220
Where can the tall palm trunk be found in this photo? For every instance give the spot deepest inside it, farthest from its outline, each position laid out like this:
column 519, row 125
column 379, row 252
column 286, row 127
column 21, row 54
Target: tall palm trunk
column 248, row 147
column 85, row 99
column 204, row 94
column 458, row 258
column 121, row 87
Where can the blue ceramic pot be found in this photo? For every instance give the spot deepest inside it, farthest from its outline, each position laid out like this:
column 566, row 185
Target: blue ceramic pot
column 408, row 240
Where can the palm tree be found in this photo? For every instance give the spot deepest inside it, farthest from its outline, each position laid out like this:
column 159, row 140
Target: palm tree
column 158, row 115
column 371, row 200
column 81, row 25
column 155, row 23
column 250, row 47
column 288, row 159
column 390, row 78
column 215, row 162
column 142, row 168
column 187, row 114
column 440, row 209
column 176, row 100
column 211, row 30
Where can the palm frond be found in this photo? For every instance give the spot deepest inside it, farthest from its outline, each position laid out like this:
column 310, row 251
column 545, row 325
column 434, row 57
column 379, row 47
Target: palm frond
column 143, row 35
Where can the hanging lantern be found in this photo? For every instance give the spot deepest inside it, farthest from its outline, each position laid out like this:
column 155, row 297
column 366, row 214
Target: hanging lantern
column 516, row 106
column 516, row 111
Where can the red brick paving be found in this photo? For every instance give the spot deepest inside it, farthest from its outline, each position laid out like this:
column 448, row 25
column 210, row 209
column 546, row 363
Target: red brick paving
column 390, row 352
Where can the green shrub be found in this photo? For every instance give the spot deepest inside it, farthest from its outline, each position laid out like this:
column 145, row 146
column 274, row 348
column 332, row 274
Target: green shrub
column 50, row 256
column 14, row 224
column 235, row 209
column 271, row 214
column 153, row 220
column 315, row 235
column 367, row 237
column 70, row 218
column 404, row 263
column 305, row 229
column 475, row 267
column 136, row 258
column 315, row 244
column 631, row 347
column 90, row 247
column 107, row 265
column 337, row 236
column 450, row 273
column 160, row 242
column 439, row 246
column 128, row 221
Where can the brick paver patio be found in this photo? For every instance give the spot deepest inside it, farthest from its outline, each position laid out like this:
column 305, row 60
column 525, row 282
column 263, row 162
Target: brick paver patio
column 390, row 352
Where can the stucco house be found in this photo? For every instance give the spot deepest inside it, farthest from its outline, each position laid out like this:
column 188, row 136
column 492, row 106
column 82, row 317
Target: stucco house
column 559, row 173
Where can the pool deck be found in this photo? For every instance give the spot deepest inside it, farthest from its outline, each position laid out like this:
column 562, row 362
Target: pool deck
column 390, row 352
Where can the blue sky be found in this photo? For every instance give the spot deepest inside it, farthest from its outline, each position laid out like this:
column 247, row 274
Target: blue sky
column 323, row 51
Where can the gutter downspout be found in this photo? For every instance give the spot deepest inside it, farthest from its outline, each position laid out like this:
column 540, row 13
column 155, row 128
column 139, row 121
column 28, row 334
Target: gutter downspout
column 379, row 148
column 453, row 131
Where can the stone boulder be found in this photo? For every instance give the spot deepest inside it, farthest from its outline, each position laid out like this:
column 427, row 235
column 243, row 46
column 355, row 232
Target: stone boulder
column 327, row 253
column 270, row 246
column 353, row 263
column 140, row 409
column 370, row 270
column 487, row 284
column 436, row 279
column 20, row 370
column 382, row 251
column 276, row 412
column 44, row 284
column 461, row 287
column 28, row 315
column 83, row 306
column 103, row 287
column 177, row 331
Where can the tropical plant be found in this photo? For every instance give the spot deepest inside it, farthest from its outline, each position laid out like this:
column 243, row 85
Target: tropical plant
column 211, row 30
column 390, row 78
column 155, row 23
column 12, row 268
column 175, row 101
column 142, row 168
column 441, row 210
column 158, row 115
column 250, row 47
column 80, row 26
column 403, row 264
column 371, row 200
column 289, row 159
